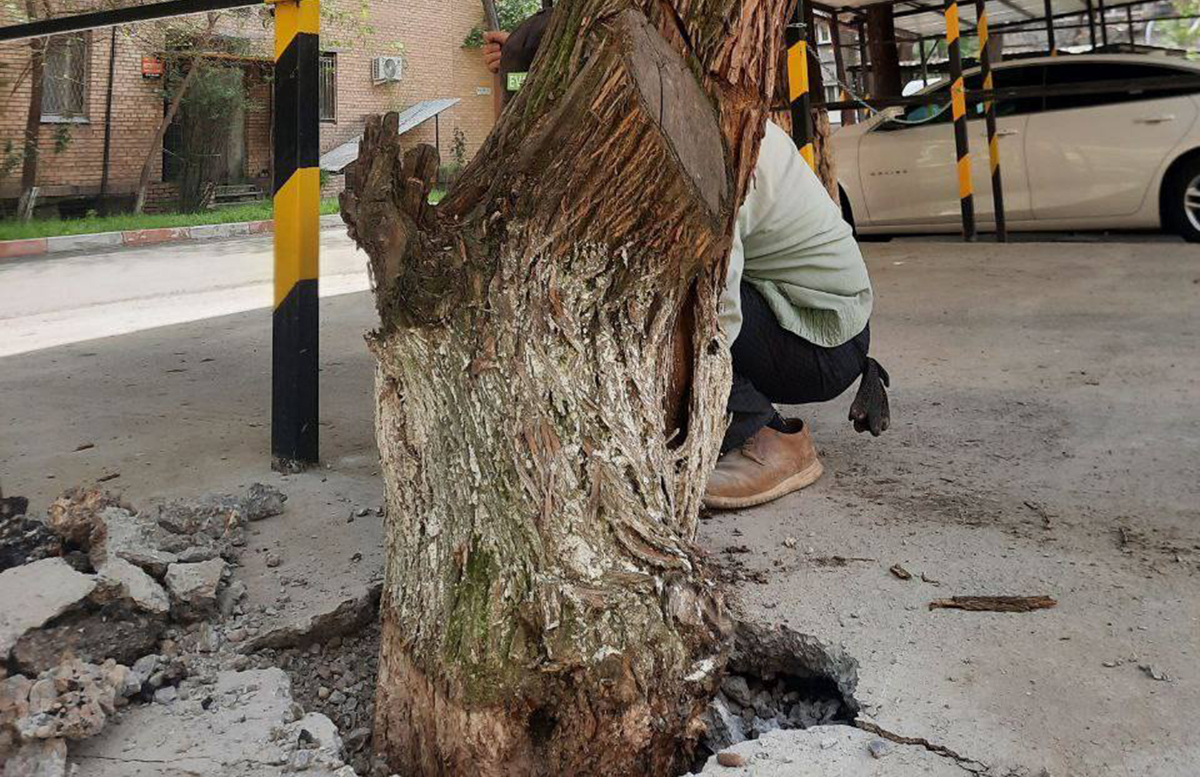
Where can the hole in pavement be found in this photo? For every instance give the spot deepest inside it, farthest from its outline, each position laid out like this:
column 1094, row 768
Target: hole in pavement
column 778, row 679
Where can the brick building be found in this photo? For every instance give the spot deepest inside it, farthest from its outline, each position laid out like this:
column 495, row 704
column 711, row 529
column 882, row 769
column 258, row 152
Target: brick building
column 427, row 36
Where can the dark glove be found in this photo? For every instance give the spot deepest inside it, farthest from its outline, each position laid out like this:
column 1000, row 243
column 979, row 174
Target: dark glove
column 870, row 407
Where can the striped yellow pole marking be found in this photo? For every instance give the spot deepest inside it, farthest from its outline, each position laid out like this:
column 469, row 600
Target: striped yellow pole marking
column 798, row 94
column 958, row 109
column 297, row 194
column 989, row 106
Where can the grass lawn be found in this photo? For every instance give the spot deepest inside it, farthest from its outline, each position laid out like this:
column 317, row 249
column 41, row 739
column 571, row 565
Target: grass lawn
column 253, row 211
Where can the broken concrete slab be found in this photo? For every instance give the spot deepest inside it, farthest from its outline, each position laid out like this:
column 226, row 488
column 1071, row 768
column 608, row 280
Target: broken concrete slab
column 830, row 750
column 218, row 515
column 331, row 618
column 239, row 726
column 133, row 537
column 116, row 631
column 193, row 588
column 122, row 580
column 33, row 594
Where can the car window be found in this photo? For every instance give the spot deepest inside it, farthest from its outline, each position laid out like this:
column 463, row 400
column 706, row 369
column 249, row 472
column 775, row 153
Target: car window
column 939, row 112
column 922, row 115
column 1067, row 73
column 1005, row 78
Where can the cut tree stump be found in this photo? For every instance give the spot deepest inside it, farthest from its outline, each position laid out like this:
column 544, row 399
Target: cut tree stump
column 551, row 389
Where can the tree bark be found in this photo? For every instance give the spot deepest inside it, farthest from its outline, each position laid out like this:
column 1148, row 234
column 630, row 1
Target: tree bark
column 551, row 385
column 33, row 120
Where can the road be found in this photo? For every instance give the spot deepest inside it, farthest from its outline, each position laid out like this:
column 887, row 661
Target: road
column 45, row 302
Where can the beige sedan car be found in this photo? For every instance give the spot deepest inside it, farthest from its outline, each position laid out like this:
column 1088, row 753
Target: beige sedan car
column 1127, row 159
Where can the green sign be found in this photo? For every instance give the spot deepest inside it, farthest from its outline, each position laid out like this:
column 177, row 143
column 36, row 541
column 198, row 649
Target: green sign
column 516, row 81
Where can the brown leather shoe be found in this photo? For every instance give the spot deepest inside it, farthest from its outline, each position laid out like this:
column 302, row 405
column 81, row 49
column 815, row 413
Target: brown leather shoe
column 767, row 466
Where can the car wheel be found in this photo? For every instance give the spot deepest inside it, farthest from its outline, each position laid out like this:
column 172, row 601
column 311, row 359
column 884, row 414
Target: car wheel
column 1182, row 201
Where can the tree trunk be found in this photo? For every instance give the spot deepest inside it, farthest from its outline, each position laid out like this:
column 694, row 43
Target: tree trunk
column 33, row 122
column 156, row 145
column 551, row 385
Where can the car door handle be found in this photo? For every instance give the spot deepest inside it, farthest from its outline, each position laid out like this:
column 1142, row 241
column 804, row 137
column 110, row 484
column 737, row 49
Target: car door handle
column 1155, row 119
column 1004, row 133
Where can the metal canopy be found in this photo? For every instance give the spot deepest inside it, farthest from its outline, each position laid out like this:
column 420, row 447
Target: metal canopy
column 336, row 159
column 929, row 22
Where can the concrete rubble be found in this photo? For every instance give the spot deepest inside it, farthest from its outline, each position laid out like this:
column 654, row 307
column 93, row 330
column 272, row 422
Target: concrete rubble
column 113, row 644
column 33, row 594
column 193, row 587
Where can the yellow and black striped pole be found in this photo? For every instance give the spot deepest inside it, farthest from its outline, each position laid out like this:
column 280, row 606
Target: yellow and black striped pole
column 297, row 189
column 985, row 63
column 798, row 95
column 958, row 108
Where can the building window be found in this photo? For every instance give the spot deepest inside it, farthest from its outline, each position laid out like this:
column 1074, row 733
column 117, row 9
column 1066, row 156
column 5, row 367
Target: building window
column 823, row 36
column 64, row 81
column 327, row 81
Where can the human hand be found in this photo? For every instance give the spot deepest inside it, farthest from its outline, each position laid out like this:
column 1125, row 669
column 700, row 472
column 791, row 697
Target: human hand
column 493, row 40
column 870, row 411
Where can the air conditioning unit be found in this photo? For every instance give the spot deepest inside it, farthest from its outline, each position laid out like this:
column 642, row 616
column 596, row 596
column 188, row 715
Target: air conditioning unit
column 385, row 69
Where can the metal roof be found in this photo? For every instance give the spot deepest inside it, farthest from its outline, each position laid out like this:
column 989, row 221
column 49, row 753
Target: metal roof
column 999, row 12
column 336, row 159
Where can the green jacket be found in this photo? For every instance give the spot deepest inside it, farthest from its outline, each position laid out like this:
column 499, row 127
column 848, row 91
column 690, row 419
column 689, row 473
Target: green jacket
column 791, row 244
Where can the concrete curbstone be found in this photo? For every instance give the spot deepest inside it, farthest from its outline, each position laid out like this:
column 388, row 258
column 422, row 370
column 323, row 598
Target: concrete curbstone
column 143, row 237
column 83, row 242
column 211, row 231
column 30, row 247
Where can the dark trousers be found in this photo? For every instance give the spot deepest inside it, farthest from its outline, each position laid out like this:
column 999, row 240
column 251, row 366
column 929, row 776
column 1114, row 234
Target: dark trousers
column 771, row 364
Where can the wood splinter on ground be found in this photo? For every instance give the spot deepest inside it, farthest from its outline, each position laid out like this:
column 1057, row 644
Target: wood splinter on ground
column 994, row 603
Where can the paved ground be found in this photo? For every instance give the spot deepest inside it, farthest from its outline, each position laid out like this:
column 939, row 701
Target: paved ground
column 1045, row 442
column 128, row 290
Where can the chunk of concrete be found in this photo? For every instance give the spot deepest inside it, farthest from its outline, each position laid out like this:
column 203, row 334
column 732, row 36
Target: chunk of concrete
column 193, row 588
column 219, row 516
column 33, row 594
column 123, row 580
column 117, row 631
column 135, row 538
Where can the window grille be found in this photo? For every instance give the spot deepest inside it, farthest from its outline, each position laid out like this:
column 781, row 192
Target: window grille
column 64, row 80
column 327, row 87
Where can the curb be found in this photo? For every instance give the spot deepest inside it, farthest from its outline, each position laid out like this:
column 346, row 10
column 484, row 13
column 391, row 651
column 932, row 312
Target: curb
column 11, row 249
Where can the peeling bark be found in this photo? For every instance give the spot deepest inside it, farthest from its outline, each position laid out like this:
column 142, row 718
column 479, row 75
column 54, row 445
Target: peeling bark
column 551, row 386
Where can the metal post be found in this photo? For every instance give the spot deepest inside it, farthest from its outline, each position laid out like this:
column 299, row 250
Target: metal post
column 108, row 100
column 862, row 62
column 1051, row 46
column 924, row 65
column 839, row 65
column 1091, row 23
column 297, row 189
column 1129, row 19
column 798, row 96
column 1103, row 23
column 985, row 63
column 958, row 108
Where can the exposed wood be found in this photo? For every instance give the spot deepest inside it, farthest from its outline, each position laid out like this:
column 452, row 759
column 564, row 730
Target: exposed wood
column 994, row 603
column 544, row 451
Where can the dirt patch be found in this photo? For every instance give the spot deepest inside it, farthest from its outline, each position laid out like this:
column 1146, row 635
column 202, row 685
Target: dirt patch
column 337, row 679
